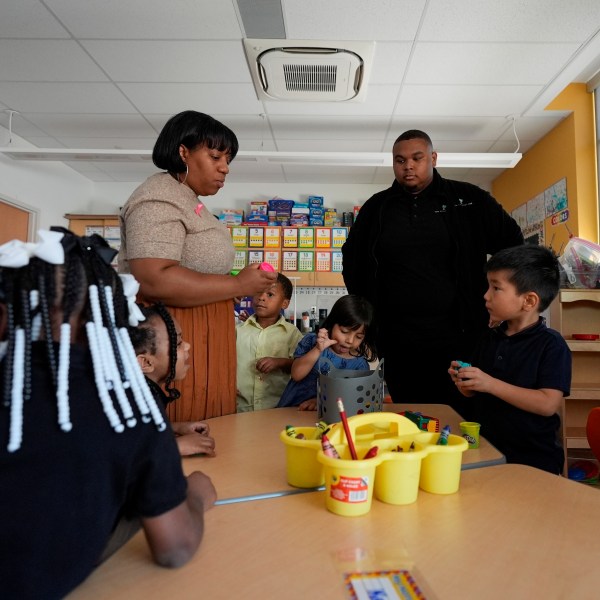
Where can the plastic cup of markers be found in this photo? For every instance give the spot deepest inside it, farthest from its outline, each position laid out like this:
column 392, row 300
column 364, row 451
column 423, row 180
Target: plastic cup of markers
column 303, row 468
column 440, row 469
column 349, row 484
column 470, row 431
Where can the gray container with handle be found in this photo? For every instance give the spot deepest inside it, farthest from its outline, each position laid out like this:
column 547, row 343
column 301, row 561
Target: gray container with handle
column 361, row 391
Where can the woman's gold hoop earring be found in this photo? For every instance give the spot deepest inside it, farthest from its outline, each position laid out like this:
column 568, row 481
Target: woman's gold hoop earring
column 187, row 169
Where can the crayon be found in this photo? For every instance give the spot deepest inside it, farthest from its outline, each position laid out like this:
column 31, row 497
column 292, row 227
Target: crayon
column 328, row 447
column 372, row 453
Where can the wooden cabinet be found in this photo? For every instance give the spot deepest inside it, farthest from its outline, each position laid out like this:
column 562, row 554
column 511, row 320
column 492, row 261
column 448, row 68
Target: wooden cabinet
column 577, row 311
column 81, row 224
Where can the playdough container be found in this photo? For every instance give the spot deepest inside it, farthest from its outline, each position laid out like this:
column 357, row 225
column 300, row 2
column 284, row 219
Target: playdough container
column 303, row 468
column 440, row 469
column 349, row 484
column 398, row 475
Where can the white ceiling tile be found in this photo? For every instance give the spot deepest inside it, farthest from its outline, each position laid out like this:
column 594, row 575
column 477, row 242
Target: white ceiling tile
column 170, row 61
column 211, row 98
column 148, row 19
column 380, row 100
column 336, row 127
column 46, row 60
column 94, row 126
column 329, row 145
column 534, row 128
column 352, row 19
column 465, row 100
column 389, row 62
column 109, row 143
column 255, row 145
column 510, row 20
column 28, row 19
column 493, row 64
column 64, row 98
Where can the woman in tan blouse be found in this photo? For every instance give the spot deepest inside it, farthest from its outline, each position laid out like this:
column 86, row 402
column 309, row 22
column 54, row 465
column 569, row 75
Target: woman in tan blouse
column 182, row 256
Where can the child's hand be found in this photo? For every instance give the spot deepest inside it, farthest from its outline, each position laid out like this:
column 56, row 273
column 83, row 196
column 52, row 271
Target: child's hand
column 266, row 364
column 323, row 341
column 195, row 443
column 186, row 427
column 469, row 380
column 308, row 405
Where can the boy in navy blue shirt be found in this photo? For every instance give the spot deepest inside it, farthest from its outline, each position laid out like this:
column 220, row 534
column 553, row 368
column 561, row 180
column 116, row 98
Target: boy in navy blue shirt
column 521, row 369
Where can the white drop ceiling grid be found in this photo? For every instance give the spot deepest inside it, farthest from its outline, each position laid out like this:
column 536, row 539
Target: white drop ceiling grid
column 108, row 74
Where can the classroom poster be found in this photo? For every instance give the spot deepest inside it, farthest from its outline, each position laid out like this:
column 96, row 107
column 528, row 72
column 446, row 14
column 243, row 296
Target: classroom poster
column 555, row 197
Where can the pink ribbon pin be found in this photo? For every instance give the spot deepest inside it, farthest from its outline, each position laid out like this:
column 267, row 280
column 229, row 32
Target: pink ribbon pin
column 199, row 208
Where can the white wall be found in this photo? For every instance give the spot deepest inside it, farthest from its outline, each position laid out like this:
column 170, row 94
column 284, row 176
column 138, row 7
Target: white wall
column 108, row 197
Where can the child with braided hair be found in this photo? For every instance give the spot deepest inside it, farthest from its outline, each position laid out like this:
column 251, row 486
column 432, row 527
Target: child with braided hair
column 85, row 453
column 162, row 355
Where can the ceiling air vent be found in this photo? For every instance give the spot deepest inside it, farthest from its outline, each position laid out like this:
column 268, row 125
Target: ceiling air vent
column 309, row 70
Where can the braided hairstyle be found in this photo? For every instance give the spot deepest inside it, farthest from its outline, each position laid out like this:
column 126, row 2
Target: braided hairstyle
column 45, row 288
column 143, row 338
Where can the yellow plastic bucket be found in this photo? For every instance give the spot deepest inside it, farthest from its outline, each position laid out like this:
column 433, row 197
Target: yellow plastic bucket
column 397, row 477
column 349, row 483
column 373, row 426
column 440, row 469
column 303, row 468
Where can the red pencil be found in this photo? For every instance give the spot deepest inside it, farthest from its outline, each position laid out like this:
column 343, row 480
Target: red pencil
column 347, row 429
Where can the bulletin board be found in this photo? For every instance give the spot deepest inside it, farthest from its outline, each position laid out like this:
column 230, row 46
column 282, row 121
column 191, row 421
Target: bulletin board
column 540, row 215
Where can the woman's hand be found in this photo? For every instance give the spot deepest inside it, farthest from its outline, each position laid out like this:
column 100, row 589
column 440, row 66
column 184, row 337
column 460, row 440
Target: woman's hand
column 253, row 281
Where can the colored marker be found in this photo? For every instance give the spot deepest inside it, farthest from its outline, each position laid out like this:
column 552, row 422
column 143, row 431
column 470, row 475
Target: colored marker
column 321, row 429
column 347, row 429
column 443, row 439
column 290, row 430
column 328, row 447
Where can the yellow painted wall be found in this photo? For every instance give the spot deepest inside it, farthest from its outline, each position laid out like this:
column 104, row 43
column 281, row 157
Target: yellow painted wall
column 568, row 151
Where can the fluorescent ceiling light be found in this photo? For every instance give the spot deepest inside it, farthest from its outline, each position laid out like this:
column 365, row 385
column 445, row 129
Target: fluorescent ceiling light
column 481, row 160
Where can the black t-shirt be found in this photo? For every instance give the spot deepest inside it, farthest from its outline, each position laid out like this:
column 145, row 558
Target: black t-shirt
column 62, row 492
column 535, row 358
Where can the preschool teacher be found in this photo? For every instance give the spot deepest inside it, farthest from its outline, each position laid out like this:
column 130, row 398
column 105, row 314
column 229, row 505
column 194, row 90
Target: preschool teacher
column 182, row 256
column 417, row 251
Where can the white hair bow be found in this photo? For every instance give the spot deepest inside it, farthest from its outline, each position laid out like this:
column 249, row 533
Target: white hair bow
column 16, row 254
column 131, row 287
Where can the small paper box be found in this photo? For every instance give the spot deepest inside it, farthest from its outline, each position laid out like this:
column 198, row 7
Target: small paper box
column 306, row 260
column 338, row 236
column 290, row 260
column 272, row 257
column 336, row 262
column 256, row 237
column 239, row 236
column 290, row 237
column 272, row 237
column 323, row 237
column 239, row 260
column 306, row 237
column 323, row 261
column 258, row 207
column 255, row 256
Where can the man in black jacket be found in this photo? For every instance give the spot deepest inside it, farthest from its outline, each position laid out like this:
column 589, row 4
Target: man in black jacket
column 417, row 251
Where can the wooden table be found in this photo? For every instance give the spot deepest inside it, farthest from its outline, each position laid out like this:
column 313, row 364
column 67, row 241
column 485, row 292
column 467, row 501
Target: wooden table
column 250, row 461
column 510, row 532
